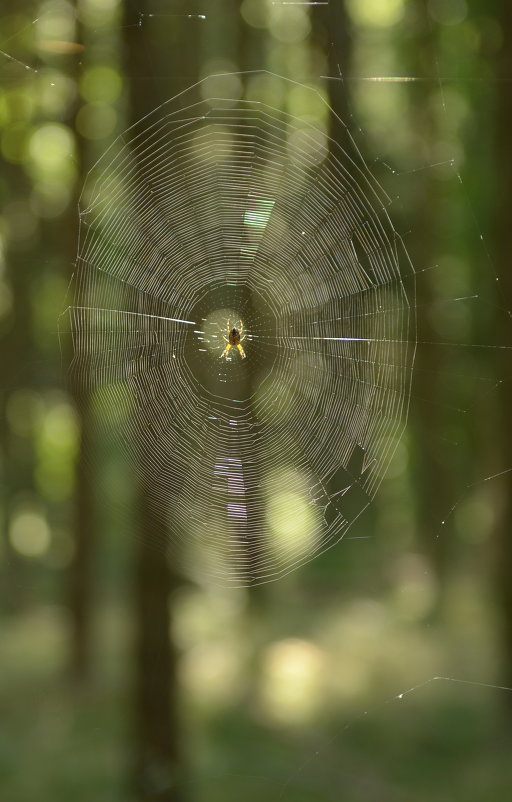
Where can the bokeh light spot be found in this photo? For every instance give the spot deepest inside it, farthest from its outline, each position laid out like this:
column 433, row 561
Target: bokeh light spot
column 101, row 85
column 376, row 13
column 29, row 533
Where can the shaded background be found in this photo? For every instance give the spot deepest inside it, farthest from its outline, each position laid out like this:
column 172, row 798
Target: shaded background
column 121, row 677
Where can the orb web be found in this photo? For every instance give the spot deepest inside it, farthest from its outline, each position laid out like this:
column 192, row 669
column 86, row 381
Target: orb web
column 214, row 213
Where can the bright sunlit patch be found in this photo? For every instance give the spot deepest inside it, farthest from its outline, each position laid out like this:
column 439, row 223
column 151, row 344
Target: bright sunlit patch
column 56, row 21
column 59, row 429
column 101, row 85
column 291, row 518
column 222, row 85
column 57, row 442
column 376, row 13
column 207, row 626
column 308, row 143
column 50, row 149
column 29, row 533
column 380, row 107
column 212, row 671
column 305, row 101
column 289, row 25
column 292, row 681
column 203, row 614
column 99, row 12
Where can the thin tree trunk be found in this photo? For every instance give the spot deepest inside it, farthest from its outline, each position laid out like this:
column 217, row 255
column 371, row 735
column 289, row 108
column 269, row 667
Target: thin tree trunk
column 158, row 759
column 17, row 457
column 81, row 568
column 81, row 581
column 435, row 486
column 504, row 336
column 331, row 28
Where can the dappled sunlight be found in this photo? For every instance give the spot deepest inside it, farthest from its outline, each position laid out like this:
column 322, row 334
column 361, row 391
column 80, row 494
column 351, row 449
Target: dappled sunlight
column 50, row 147
column 200, row 615
column 213, row 672
column 289, row 25
column 292, row 684
column 208, row 627
column 279, row 571
column 29, row 533
column 57, row 443
column 370, row 651
column 223, row 84
column 56, row 21
column 376, row 13
column 293, row 522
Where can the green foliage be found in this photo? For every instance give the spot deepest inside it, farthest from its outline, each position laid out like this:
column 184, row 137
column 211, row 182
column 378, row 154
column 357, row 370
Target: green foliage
column 284, row 690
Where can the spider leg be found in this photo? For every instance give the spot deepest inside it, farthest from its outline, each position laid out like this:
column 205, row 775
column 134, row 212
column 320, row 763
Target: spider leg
column 226, row 350
column 242, row 352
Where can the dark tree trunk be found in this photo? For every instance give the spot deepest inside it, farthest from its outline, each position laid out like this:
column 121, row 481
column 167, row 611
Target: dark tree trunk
column 17, row 457
column 504, row 251
column 81, row 568
column 159, row 759
column 331, row 28
column 435, row 484
column 81, row 578
column 156, row 48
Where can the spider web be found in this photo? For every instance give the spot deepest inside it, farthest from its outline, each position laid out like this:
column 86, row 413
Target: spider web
column 213, row 212
column 161, row 408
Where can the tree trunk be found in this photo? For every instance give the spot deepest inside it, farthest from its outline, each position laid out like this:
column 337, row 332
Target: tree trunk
column 159, row 764
column 81, row 568
column 435, row 487
column 158, row 760
column 503, row 190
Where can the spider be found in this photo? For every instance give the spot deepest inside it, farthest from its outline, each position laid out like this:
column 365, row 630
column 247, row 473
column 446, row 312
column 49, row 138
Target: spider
column 235, row 338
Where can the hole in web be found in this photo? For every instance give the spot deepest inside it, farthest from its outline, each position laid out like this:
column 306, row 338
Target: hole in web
column 213, row 215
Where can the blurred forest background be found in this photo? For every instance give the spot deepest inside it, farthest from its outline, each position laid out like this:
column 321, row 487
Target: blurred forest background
column 121, row 678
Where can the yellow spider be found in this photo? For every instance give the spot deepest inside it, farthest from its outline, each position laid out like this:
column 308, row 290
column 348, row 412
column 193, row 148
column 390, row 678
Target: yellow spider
column 235, row 338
